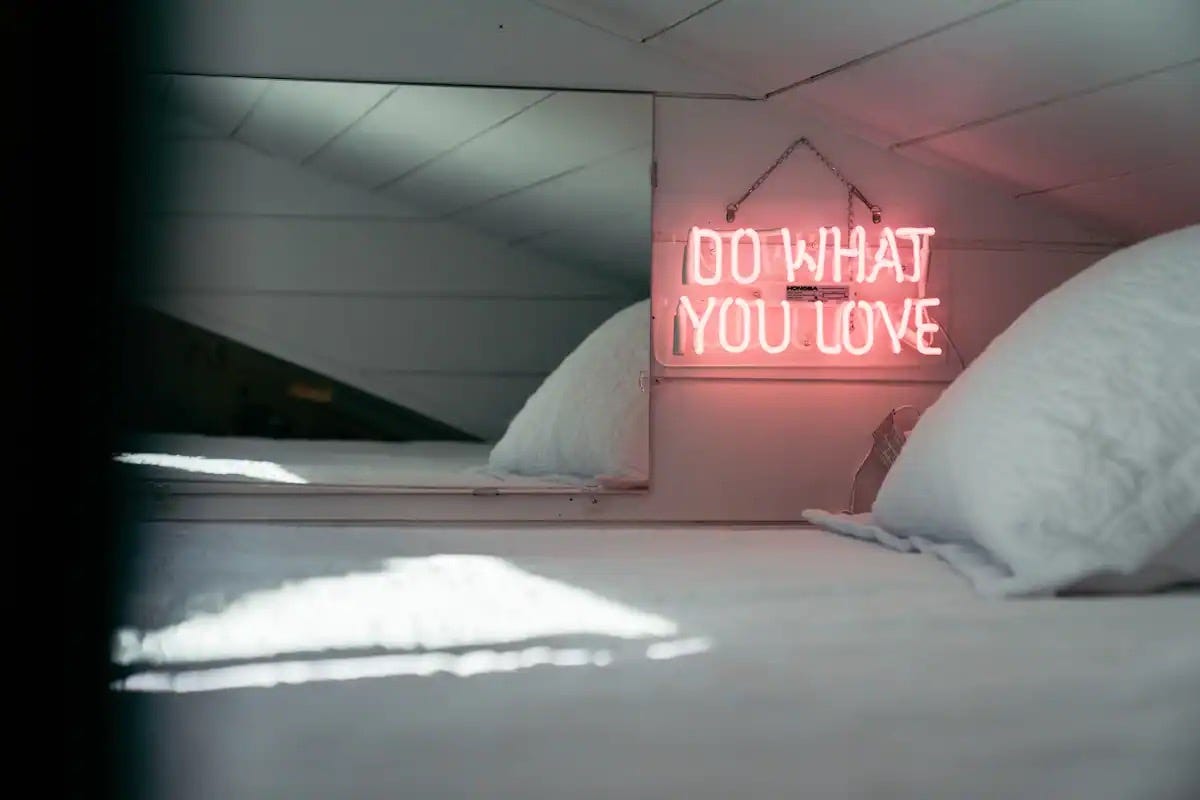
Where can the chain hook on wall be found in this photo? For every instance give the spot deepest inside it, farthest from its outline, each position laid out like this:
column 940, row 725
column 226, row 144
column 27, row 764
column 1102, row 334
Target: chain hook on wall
column 852, row 190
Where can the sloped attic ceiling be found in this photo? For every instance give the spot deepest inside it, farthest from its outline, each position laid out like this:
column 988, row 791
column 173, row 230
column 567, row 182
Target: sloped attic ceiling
column 1093, row 105
column 563, row 174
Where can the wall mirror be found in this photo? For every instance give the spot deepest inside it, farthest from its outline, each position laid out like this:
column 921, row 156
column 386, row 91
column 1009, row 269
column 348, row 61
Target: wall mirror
column 420, row 287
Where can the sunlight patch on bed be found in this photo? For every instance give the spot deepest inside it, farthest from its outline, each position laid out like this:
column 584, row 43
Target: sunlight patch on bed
column 259, row 470
column 661, row 651
column 439, row 615
column 290, row 673
column 429, row 603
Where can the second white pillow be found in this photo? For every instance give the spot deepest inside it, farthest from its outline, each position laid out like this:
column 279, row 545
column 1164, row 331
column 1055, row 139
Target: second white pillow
column 1071, row 446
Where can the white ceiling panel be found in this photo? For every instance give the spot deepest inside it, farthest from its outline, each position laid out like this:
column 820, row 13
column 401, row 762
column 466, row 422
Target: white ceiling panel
column 606, row 189
column 226, row 178
column 548, row 162
column 181, row 126
column 522, row 333
column 479, row 42
column 295, row 118
column 1019, row 55
column 634, row 19
column 771, row 43
column 222, row 103
column 1142, row 203
column 618, row 246
column 1139, row 125
column 566, row 132
column 415, row 124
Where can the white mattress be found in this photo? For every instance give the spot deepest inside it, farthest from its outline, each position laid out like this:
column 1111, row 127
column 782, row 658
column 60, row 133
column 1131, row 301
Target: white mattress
column 434, row 465
column 837, row 669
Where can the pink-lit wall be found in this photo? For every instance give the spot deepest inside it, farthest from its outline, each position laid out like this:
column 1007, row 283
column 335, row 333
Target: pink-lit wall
column 759, row 445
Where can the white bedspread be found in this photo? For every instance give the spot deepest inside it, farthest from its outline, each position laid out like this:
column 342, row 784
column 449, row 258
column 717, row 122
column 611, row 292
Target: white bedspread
column 1177, row 565
column 837, row 670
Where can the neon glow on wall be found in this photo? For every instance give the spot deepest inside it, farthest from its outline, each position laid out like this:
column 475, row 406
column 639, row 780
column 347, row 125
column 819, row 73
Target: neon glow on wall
column 824, row 293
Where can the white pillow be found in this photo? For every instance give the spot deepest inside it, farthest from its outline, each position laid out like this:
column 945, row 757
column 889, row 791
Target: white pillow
column 590, row 417
column 1071, row 447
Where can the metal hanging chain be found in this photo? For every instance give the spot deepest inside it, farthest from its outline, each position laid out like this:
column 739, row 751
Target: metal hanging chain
column 853, row 191
column 731, row 209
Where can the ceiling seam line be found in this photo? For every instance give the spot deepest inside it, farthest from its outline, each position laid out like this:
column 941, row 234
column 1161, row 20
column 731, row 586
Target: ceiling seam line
column 522, row 241
column 1102, row 179
column 889, row 49
column 681, row 60
column 1049, row 101
column 467, row 85
column 409, row 172
column 325, row 145
column 543, row 181
column 585, row 22
column 250, row 111
column 252, row 146
column 679, row 22
column 709, row 96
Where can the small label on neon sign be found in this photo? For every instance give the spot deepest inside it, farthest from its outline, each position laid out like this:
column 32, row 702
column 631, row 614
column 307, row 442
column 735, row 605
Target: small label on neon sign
column 828, row 294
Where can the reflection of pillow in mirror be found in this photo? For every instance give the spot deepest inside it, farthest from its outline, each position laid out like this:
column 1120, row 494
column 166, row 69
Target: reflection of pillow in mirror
column 1071, row 447
column 590, row 417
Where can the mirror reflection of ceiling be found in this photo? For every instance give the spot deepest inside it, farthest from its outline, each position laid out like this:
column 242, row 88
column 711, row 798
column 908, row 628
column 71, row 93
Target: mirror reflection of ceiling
column 563, row 173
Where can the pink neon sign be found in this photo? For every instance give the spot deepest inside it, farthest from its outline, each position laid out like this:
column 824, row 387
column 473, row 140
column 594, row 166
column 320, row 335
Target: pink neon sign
column 734, row 300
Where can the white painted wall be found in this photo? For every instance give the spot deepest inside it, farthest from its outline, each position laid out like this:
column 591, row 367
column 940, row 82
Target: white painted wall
column 429, row 314
column 745, row 449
